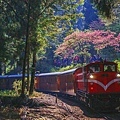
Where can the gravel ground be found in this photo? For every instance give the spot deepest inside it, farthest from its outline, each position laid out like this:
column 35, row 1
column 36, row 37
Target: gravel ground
column 48, row 107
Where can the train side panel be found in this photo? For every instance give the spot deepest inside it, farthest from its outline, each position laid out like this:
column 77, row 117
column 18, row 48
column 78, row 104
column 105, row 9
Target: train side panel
column 80, row 81
column 58, row 81
column 66, row 83
column 46, row 83
column 6, row 81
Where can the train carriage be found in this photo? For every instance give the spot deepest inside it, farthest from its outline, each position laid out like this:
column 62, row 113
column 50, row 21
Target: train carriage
column 47, row 82
column 56, row 82
column 6, row 81
column 66, row 82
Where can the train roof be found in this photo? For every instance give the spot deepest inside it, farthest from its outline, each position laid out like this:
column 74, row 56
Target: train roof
column 41, row 74
column 17, row 76
column 56, row 73
column 10, row 76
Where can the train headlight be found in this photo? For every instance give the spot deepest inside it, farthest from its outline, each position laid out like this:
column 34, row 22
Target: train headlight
column 91, row 76
column 118, row 75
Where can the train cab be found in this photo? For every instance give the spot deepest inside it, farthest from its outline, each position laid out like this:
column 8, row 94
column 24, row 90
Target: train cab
column 103, row 78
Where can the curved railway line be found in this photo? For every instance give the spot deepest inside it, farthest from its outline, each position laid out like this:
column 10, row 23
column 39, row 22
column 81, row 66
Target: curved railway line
column 68, row 101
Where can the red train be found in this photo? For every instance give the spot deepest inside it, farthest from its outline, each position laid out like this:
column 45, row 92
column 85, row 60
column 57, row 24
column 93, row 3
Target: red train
column 96, row 84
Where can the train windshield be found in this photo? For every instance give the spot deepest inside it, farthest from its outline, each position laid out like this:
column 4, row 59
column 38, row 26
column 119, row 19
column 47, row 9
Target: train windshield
column 109, row 68
column 94, row 68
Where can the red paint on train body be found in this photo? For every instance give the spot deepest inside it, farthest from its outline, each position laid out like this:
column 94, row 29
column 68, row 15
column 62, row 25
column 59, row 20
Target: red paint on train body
column 56, row 82
column 99, row 80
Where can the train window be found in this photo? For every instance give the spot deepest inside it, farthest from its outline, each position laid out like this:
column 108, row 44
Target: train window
column 109, row 68
column 94, row 68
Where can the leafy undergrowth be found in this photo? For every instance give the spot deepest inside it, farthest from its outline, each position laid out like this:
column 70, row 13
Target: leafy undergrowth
column 36, row 94
column 8, row 112
column 11, row 105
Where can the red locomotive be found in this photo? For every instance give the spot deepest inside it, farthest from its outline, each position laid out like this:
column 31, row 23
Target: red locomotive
column 98, row 85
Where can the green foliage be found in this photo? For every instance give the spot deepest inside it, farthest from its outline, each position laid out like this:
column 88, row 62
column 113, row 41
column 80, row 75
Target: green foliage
column 17, row 86
column 66, row 68
column 11, row 32
column 70, row 67
column 109, row 53
column 8, row 93
column 105, row 6
column 43, row 26
column 118, row 62
column 115, row 25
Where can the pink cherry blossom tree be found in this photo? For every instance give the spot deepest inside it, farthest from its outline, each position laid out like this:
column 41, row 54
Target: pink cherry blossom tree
column 82, row 41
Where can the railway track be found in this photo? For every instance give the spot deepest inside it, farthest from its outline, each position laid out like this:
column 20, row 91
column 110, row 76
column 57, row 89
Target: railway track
column 110, row 116
column 72, row 99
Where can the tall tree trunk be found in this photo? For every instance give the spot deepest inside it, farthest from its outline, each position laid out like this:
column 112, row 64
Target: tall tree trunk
column 26, row 52
column 28, row 67
column 0, row 68
column 33, row 74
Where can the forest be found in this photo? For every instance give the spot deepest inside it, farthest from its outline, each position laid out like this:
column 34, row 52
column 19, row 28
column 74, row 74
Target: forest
column 48, row 36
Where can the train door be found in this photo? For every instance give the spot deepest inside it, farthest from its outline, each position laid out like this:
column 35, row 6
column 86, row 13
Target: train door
column 77, row 79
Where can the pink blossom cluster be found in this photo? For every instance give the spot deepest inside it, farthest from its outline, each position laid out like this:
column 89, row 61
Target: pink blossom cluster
column 99, row 38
